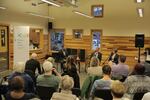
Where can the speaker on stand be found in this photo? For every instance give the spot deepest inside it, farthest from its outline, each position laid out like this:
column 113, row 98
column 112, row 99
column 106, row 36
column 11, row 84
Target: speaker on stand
column 139, row 43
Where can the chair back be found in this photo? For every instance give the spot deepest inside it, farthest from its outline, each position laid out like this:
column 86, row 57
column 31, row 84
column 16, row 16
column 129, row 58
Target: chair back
column 105, row 94
column 45, row 93
column 138, row 96
column 76, row 91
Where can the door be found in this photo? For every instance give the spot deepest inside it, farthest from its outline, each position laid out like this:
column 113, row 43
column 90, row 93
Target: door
column 4, row 48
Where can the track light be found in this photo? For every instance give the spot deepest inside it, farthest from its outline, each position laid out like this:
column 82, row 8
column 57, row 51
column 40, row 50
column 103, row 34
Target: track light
column 82, row 14
column 42, row 16
column 52, row 3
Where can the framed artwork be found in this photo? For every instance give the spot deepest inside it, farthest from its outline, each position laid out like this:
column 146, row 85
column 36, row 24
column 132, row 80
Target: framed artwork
column 77, row 33
column 56, row 39
column 97, row 10
column 96, row 38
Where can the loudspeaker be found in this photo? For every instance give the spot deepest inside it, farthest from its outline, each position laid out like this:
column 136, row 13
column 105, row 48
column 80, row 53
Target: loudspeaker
column 139, row 40
column 50, row 25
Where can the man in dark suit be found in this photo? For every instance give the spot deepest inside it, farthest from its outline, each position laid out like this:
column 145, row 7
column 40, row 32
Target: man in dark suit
column 114, row 56
column 32, row 64
column 97, row 54
column 63, row 54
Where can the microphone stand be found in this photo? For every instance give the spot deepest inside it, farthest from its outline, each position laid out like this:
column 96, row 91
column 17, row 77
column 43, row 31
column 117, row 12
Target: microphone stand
column 107, row 59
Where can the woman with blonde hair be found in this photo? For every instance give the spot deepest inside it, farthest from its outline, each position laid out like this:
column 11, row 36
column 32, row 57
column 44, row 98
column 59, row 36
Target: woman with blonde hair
column 94, row 68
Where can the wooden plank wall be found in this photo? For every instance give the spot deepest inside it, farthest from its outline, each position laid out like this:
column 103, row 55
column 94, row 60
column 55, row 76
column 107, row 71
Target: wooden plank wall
column 84, row 43
column 41, row 52
column 125, row 45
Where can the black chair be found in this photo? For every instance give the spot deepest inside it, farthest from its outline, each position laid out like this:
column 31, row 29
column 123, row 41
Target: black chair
column 138, row 96
column 76, row 91
column 45, row 93
column 105, row 94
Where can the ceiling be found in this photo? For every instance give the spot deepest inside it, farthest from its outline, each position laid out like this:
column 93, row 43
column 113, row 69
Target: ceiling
column 113, row 9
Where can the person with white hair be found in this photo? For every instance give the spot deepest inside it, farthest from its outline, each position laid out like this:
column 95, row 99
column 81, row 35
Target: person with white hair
column 47, row 79
column 67, row 84
column 32, row 64
column 18, row 70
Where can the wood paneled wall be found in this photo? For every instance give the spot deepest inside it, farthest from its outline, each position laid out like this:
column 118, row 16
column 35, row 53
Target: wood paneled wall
column 41, row 52
column 125, row 45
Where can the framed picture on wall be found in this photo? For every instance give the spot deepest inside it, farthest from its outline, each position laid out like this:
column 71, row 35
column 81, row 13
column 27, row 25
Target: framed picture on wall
column 97, row 10
column 77, row 33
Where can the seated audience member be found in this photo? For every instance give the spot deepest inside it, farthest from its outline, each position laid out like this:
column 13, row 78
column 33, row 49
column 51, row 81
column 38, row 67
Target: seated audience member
column 103, row 83
column 18, row 70
column 17, row 87
column 137, row 83
column 146, row 96
column 48, row 79
column 94, row 68
column 114, row 56
column 97, row 54
column 118, row 90
column 71, row 70
column 146, row 64
column 121, row 69
column 66, row 93
column 33, row 64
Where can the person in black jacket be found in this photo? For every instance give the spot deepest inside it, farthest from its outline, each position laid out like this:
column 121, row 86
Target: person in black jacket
column 114, row 56
column 33, row 63
column 63, row 54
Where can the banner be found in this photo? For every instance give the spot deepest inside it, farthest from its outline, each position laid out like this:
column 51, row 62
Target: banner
column 21, row 44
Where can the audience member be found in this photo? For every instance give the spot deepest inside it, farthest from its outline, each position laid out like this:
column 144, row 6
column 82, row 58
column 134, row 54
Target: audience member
column 103, row 83
column 48, row 79
column 66, row 93
column 18, row 70
column 118, row 90
column 146, row 96
column 146, row 64
column 17, row 87
column 137, row 83
column 94, row 68
column 71, row 70
column 114, row 56
column 97, row 54
column 33, row 64
column 121, row 69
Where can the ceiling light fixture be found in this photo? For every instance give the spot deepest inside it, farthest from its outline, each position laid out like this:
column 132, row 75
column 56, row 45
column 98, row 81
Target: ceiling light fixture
column 140, row 12
column 52, row 3
column 43, row 16
column 82, row 14
column 139, row 1
column 2, row 8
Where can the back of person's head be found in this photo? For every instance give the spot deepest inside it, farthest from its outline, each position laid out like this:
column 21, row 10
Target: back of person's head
column 19, row 67
column 17, row 83
column 115, row 50
column 94, row 62
column 122, row 58
column 139, row 69
column 33, row 56
column 51, row 59
column 47, row 66
column 106, row 69
column 146, row 96
column 67, row 83
column 70, row 59
column 118, row 89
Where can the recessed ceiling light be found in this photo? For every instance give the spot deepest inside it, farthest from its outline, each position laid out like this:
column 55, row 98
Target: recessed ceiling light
column 2, row 8
column 52, row 3
column 140, row 12
column 39, row 15
column 82, row 14
column 139, row 1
